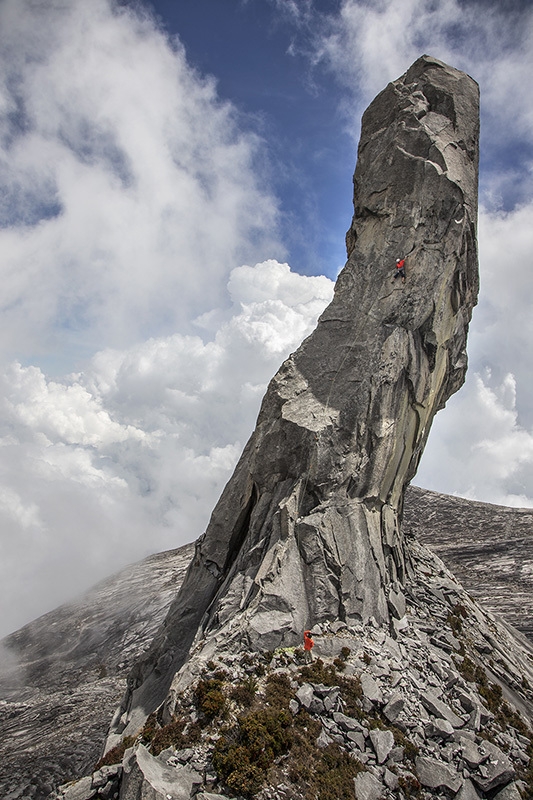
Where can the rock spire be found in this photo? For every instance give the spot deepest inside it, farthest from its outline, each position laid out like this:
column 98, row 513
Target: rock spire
column 307, row 530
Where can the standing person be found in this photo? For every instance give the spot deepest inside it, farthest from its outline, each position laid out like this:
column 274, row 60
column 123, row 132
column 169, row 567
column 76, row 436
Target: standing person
column 308, row 646
column 400, row 269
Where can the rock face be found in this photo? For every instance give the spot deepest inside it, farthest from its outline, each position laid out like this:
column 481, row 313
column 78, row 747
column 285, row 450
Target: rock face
column 308, row 528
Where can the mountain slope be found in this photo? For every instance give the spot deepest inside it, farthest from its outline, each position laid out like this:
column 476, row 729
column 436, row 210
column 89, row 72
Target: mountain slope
column 62, row 675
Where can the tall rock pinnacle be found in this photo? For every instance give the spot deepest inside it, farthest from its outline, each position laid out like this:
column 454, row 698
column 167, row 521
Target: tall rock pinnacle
column 308, row 527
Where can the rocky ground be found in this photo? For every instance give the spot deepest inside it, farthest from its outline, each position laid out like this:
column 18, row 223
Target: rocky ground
column 437, row 706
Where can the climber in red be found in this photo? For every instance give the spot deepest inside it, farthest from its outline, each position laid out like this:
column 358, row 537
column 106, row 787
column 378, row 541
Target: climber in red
column 308, row 646
column 400, row 269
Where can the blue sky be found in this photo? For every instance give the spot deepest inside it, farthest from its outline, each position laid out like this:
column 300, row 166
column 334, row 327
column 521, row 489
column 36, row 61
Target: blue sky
column 176, row 185
column 262, row 59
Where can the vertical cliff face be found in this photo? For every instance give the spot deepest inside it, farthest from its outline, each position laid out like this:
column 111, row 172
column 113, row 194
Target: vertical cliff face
column 308, row 528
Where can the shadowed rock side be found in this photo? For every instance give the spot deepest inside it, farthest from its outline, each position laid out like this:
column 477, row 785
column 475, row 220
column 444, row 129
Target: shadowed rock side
column 307, row 529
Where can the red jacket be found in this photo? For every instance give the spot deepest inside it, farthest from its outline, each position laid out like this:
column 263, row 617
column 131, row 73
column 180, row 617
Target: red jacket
column 400, row 264
column 308, row 642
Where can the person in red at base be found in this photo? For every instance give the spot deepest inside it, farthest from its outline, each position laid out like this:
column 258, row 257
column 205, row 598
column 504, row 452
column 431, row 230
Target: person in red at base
column 400, row 269
column 308, row 646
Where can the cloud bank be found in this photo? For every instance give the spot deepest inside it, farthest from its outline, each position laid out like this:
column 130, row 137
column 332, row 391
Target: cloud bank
column 130, row 456
column 130, row 189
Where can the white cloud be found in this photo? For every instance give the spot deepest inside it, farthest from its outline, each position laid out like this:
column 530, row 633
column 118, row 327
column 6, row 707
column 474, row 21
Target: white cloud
column 482, row 444
column 131, row 190
column 478, row 449
column 129, row 456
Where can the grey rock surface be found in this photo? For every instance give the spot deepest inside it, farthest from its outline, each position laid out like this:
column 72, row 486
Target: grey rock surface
column 433, row 774
column 368, row 787
column 308, row 528
column 146, row 778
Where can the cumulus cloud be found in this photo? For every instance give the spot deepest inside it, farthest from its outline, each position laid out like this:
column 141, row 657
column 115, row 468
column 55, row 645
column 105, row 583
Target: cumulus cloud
column 481, row 445
column 130, row 189
column 479, row 449
column 129, row 456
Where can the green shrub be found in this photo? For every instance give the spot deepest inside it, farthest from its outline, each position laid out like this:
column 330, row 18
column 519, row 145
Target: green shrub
column 278, row 691
column 455, row 623
column 170, row 735
column 243, row 755
column 209, row 697
column 116, row 754
column 244, row 693
column 460, row 611
column 352, row 694
column 400, row 740
column 318, row 672
column 323, row 774
column 410, row 786
column 246, row 780
column 150, row 727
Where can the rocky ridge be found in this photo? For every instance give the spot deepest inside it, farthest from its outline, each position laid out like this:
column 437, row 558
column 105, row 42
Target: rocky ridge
column 61, row 675
column 489, row 548
column 440, row 708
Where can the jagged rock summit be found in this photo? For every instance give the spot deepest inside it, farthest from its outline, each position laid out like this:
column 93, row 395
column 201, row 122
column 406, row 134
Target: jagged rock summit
column 307, row 530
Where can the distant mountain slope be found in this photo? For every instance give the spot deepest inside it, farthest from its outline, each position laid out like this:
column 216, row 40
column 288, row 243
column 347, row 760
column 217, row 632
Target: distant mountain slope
column 489, row 549
column 62, row 675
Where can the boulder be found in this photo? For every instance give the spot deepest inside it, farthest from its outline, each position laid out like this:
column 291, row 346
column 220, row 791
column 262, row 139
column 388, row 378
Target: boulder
column 371, row 689
column 81, row 790
column 497, row 770
column 146, row 778
column 468, row 791
column 509, row 792
column 393, row 707
column 368, row 787
column 440, row 710
column 305, row 695
column 434, row 774
column 390, row 779
column 439, row 729
column 346, row 723
column 382, row 742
